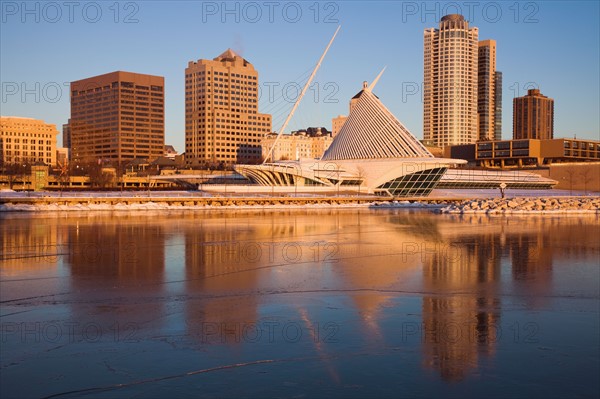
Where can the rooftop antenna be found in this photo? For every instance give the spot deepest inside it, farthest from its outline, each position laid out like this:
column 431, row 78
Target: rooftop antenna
column 287, row 120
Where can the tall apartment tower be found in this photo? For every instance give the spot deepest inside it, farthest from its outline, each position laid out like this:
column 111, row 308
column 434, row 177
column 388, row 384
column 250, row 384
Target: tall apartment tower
column 117, row 117
column 489, row 92
column 450, row 82
column 222, row 123
column 498, row 113
column 533, row 116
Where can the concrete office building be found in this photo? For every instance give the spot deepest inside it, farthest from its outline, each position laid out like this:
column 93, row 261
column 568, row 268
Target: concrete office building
column 27, row 140
column 309, row 143
column 337, row 123
column 117, row 117
column 222, row 123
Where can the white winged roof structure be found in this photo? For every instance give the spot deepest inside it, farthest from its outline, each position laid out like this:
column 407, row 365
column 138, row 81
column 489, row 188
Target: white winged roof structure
column 372, row 150
column 373, row 132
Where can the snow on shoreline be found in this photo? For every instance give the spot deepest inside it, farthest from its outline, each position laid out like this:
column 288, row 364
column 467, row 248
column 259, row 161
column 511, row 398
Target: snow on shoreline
column 154, row 206
column 525, row 205
column 496, row 206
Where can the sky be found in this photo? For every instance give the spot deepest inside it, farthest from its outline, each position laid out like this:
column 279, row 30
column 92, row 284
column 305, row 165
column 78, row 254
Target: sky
column 550, row 45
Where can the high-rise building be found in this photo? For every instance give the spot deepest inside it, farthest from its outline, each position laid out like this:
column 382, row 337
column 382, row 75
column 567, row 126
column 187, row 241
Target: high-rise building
column 450, row 82
column 487, row 88
column 66, row 135
column 27, row 140
column 222, row 123
column 498, row 111
column 117, row 116
column 62, row 156
column 337, row 123
column 533, row 116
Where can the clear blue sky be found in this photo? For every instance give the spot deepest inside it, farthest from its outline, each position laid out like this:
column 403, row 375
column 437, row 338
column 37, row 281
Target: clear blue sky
column 553, row 45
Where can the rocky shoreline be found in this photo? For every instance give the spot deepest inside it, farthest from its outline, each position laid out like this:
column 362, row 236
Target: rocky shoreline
column 522, row 205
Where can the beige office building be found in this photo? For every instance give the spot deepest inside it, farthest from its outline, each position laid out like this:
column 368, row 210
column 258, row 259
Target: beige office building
column 533, row 116
column 450, row 83
column 222, row 123
column 117, row 116
column 27, row 140
column 309, row 143
column 337, row 123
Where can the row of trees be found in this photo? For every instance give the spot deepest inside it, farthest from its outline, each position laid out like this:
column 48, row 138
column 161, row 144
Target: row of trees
column 15, row 171
column 19, row 172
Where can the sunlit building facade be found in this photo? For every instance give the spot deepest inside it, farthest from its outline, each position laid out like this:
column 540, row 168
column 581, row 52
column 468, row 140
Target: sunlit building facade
column 117, row 117
column 450, row 83
column 309, row 143
column 222, row 122
column 337, row 123
column 533, row 116
column 27, row 140
column 489, row 92
column 498, row 105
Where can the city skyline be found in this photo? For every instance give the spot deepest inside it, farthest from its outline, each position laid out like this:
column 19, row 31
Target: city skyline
column 281, row 49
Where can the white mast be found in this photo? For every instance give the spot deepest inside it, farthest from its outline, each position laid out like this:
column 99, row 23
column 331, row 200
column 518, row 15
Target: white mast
column 300, row 96
column 372, row 85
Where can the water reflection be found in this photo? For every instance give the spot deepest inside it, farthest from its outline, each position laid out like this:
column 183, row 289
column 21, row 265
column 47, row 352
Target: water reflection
column 460, row 318
column 219, row 278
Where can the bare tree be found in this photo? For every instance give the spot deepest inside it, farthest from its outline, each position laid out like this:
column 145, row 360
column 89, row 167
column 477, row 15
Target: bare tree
column 585, row 176
column 570, row 171
column 16, row 171
column 64, row 176
column 98, row 177
column 361, row 173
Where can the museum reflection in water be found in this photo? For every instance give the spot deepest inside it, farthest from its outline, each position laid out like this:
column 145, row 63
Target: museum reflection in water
column 223, row 263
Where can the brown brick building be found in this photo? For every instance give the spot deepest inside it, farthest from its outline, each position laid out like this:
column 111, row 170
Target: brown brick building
column 117, row 116
column 222, row 123
column 533, row 116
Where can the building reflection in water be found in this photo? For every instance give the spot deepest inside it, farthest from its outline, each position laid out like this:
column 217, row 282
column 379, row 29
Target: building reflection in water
column 30, row 245
column 235, row 261
column 460, row 320
column 117, row 270
column 218, row 278
column 238, row 267
column 376, row 263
